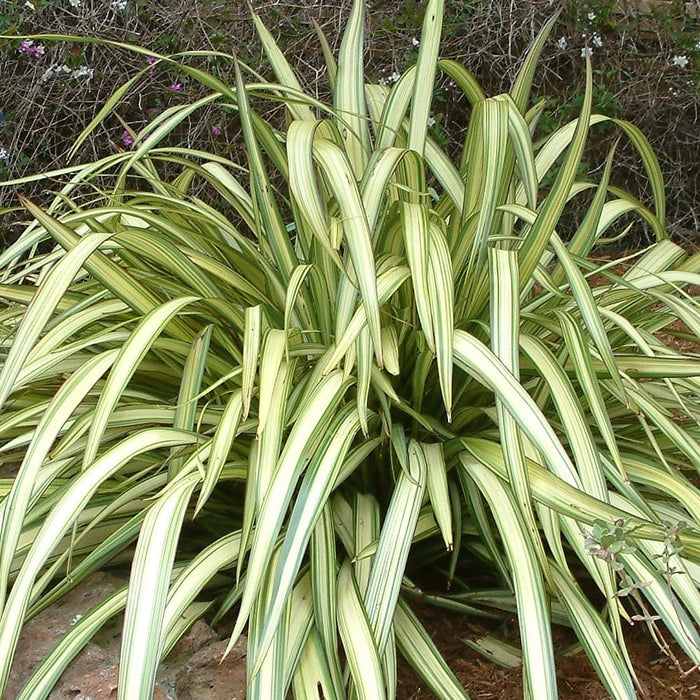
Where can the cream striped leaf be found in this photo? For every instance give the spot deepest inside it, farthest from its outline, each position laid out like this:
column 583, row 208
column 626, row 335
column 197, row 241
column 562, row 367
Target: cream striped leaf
column 535, row 630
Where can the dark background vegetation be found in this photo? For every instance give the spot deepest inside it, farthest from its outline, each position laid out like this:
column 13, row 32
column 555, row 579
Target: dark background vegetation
column 647, row 70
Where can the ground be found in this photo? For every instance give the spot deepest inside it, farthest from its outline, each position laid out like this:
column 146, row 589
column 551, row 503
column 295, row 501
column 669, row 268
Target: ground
column 194, row 670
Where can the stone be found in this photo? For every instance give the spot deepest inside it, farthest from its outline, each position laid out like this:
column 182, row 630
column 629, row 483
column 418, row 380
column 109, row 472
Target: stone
column 194, row 670
column 206, row 676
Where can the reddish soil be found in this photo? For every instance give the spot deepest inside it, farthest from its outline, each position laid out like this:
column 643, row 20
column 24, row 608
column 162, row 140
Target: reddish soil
column 194, row 670
column 658, row 676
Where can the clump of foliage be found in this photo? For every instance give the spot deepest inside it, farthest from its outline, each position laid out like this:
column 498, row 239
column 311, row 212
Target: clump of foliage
column 371, row 364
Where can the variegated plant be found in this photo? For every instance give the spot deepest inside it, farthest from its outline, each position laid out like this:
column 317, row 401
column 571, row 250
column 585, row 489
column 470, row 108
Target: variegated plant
column 369, row 363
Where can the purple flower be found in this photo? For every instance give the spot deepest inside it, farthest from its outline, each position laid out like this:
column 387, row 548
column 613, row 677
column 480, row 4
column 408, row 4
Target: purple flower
column 127, row 139
column 151, row 60
column 30, row 48
column 176, row 86
column 216, row 130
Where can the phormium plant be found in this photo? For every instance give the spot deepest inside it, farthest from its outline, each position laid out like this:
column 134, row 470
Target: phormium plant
column 371, row 364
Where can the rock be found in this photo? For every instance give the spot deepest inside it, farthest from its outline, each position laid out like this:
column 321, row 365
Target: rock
column 198, row 636
column 93, row 674
column 206, row 677
column 43, row 632
column 193, row 670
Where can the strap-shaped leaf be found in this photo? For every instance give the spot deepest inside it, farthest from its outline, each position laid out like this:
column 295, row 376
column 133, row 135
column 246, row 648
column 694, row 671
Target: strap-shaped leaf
column 47, row 673
column 358, row 638
column 251, row 350
column 550, row 210
column 505, row 334
column 394, row 544
column 364, row 359
column 312, row 675
column 313, row 419
column 358, row 236
column 190, row 385
column 349, row 97
column 535, row 630
column 265, row 671
column 387, row 284
column 583, row 366
column 148, row 588
column 420, row 651
column 59, row 520
column 62, row 406
column 271, row 357
column 126, row 363
column 221, row 445
column 436, row 480
column 324, row 580
column 283, row 71
column 441, row 299
column 268, row 217
column 478, row 360
column 299, row 624
column 556, row 493
column 312, row 497
column 425, row 75
column 595, row 635
column 416, row 226
column 42, row 306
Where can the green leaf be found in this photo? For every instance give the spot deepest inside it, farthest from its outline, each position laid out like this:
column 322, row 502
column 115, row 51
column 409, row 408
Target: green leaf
column 438, row 491
column 313, row 495
column 349, row 99
column 533, row 605
column 62, row 406
column 47, row 673
column 130, row 356
column 311, row 421
column 60, row 519
column 148, row 587
column 42, row 307
column 358, row 639
column 394, row 545
column 420, row 651
column 425, row 75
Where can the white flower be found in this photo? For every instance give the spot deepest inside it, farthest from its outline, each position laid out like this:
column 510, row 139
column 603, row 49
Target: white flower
column 75, row 3
column 680, row 61
column 75, row 619
column 431, row 122
column 597, row 41
column 118, row 5
column 697, row 46
column 82, row 72
column 562, row 43
column 586, row 51
column 4, row 155
column 591, row 16
column 55, row 71
column 394, row 77
column 415, row 42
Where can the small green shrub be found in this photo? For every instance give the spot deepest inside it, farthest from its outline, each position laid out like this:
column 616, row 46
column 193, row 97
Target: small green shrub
column 368, row 365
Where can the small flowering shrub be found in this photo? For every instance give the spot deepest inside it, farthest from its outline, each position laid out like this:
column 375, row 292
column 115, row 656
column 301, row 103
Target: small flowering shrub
column 373, row 370
column 645, row 68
